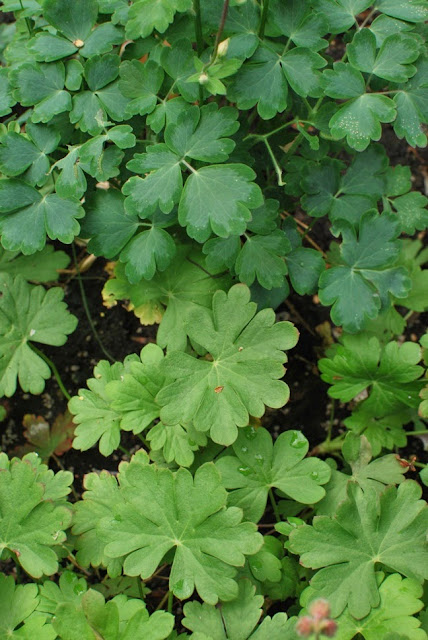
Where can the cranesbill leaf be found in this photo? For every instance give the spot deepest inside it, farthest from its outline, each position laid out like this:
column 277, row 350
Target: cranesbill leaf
column 27, row 217
column 400, row 599
column 163, row 511
column 218, row 199
column 147, row 15
column 366, row 275
column 17, row 607
column 262, row 257
column 29, row 314
column 259, row 465
column 31, row 524
column 363, row 535
column 390, row 373
column 247, row 352
column 170, row 298
column 236, row 619
column 41, row 85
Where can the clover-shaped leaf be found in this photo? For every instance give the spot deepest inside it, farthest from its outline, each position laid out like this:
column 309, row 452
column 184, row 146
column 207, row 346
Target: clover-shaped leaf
column 147, row 15
column 40, row 267
column 170, row 297
column 400, row 599
column 236, row 620
column 29, row 314
column 187, row 515
column 247, row 351
column 391, row 373
column 365, row 274
column 17, row 611
column 259, row 465
column 364, row 533
column 31, row 523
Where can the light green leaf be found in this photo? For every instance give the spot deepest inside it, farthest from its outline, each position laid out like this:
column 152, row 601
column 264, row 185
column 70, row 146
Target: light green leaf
column 177, row 60
column 31, row 524
column 42, row 266
column 363, row 535
column 262, row 257
column 259, row 465
column 247, row 352
column 29, row 314
column 17, row 606
column 147, row 15
column 188, row 516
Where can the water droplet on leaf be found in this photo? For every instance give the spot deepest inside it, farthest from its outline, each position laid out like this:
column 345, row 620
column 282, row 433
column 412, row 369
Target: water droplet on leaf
column 245, row 471
column 298, row 441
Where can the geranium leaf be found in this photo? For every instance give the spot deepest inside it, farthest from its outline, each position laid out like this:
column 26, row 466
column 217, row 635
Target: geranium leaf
column 262, row 257
column 17, row 606
column 217, row 395
column 143, row 539
column 364, row 534
column 259, row 465
column 41, row 85
column 42, row 266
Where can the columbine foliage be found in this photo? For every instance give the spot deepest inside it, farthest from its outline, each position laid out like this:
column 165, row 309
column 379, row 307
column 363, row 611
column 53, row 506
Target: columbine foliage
column 200, row 145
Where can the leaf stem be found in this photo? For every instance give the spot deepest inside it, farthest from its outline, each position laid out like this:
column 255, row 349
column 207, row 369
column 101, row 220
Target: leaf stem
column 27, row 20
column 276, row 166
column 143, row 440
column 274, row 505
column 330, row 446
column 162, row 602
column 86, row 307
column 423, row 432
column 53, row 369
column 188, row 166
column 125, row 451
column 219, row 33
column 170, row 601
column 263, row 18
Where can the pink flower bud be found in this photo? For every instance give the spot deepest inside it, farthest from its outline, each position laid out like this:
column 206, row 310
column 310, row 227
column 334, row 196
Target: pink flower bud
column 304, row 626
column 329, row 628
column 319, row 609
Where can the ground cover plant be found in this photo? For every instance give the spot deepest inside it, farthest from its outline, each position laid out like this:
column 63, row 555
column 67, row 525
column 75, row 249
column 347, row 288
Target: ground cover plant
column 240, row 184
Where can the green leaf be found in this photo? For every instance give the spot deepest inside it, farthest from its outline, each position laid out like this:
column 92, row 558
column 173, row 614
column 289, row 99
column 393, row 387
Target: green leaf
column 385, row 432
column 75, row 20
column 7, row 100
column 29, row 314
column 259, row 465
column 162, row 185
column 41, row 85
column 93, row 412
column 392, row 62
column 400, row 598
column 359, row 120
column 412, row 107
column 170, row 298
column 298, row 22
column 42, row 266
column 305, row 267
column 202, row 133
column 366, row 275
column 237, row 619
column 218, row 199
column 177, row 60
column 143, row 537
column 366, row 472
column 140, row 83
column 17, row 607
column 71, row 182
column 412, row 10
column 390, row 373
column 27, row 217
column 341, row 13
column 364, row 533
column 70, row 588
column 247, row 351
column 262, row 257
column 343, row 81
column 411, row 210
column 31, row 524
column 147, row 15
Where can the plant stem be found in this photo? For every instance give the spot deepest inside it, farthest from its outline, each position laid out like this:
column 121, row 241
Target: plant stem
column 162, row 602
column 53, row 369
column 276, row 166
column 309, row 227
column 188, row 166
column 125, row 451
column 85, row 306
column 263, row 18
column 143, row 440
column 423, row 432
column 170, row 601
column 274, row 505
column 328, row 446
column 27, row 20
column 198, row 27
column 223, row 18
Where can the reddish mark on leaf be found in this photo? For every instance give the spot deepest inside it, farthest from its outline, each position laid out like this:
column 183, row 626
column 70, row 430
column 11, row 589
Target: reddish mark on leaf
column 407, row 463
column 218, row 389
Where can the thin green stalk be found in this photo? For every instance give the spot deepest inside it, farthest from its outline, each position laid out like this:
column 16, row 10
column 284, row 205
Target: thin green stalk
column 27, row 20
column 162, row 602
column 263, row 18
column 276, row 166
column 198, row 27
column 85, row 306
column 274, row 505
column 305, row 233
column 421, row 465
column 143, row 440
column 329, row 446
column 53, row 369
column 170, row 601
column 423, row 432
column 125, row 451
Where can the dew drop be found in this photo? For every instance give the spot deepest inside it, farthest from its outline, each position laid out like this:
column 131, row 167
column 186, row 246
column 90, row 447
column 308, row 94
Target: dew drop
column 78, row 589
column 178, row 585
column 314, row 475
column 256, row 564
column 298, row 440
column 245, row 471
column 250, row 433
column 259, row 458
column 244, row 449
